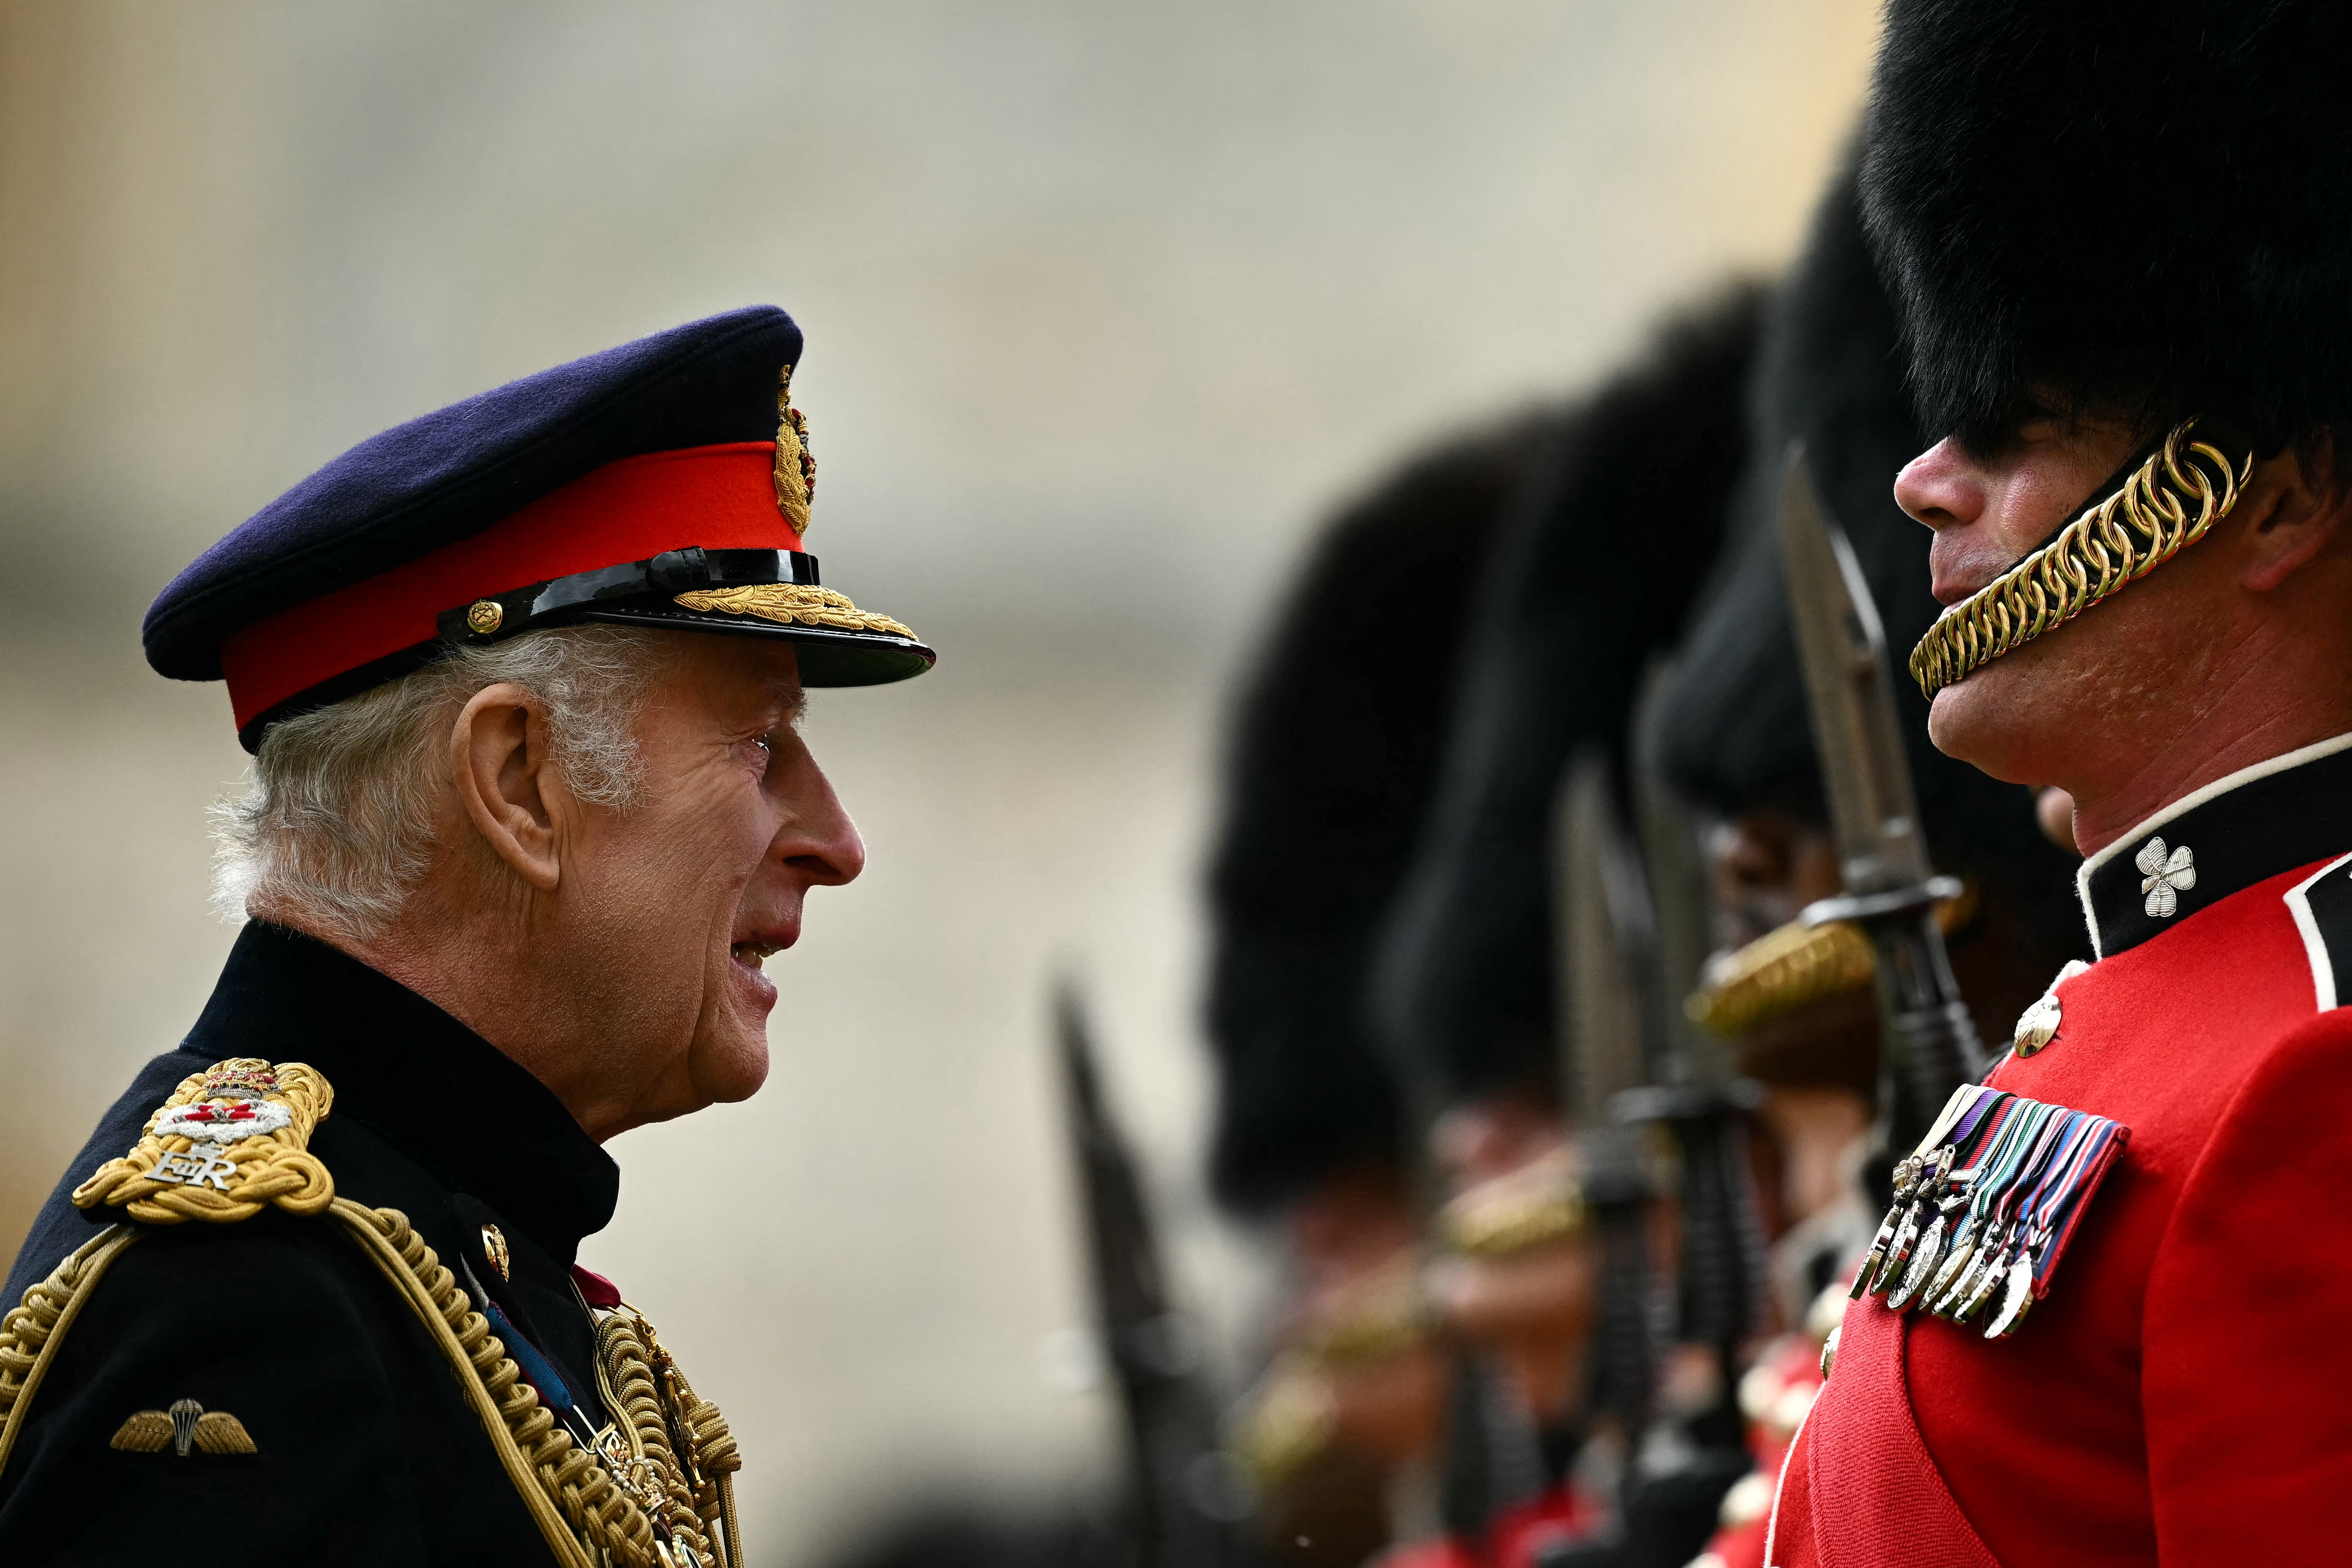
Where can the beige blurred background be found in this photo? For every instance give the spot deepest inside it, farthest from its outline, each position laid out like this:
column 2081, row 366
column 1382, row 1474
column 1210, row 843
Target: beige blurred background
column 1106, row 305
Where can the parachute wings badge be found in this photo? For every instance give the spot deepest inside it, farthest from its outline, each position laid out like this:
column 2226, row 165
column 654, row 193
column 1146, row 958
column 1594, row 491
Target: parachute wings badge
column 187, row 1426
column 231, row 1141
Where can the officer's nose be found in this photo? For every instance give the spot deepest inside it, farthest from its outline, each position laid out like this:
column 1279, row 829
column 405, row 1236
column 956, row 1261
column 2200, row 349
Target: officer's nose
column 818, row 839
column 824, row 843
column 1942, row 487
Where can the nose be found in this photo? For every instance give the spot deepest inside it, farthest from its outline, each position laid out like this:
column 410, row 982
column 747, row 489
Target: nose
column 1941, row 486
column 817, row 839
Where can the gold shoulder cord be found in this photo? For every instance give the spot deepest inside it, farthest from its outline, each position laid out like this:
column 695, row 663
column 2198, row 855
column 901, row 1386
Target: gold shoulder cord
column 2168, row 504
column 673, row 1447
column 231, row 1141
column 30, row 1334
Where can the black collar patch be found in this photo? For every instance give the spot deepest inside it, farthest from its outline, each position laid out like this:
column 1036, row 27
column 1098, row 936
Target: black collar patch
column 2219, row 840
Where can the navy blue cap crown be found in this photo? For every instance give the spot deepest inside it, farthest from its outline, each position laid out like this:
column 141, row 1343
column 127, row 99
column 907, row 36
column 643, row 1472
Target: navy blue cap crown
column 454, row 472
column 664, row 483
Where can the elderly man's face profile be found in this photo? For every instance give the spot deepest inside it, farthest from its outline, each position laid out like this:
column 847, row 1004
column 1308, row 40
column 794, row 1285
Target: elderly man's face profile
column 643, row 931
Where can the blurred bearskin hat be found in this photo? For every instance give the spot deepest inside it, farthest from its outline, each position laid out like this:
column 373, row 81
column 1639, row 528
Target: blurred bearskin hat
column 2135, row 209
column 1333, row 753
column 1730, row 726
column 1596, row 575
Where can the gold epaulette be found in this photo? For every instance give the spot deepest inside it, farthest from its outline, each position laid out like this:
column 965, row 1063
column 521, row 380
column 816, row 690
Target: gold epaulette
column 233, row 1141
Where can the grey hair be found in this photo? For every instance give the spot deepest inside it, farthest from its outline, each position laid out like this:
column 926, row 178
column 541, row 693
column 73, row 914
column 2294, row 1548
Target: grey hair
column 339, row 823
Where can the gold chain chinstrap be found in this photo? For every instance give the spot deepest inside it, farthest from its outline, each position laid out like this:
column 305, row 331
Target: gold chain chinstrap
column 2168, row 504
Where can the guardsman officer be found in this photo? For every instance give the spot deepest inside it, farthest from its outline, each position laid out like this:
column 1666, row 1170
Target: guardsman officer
column 530, row 811
column 2103, row 1321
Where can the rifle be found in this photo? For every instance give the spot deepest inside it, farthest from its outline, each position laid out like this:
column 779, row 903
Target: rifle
column 1180, row 1500
column 1719, row 1294
column 1603, row 927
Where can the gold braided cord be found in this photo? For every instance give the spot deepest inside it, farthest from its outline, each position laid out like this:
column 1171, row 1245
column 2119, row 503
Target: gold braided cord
column 788, row 603
column 1781, row 972
column 31, row 1333
column 268, row 1169
column 795, row 471
column 1537, row 1203
column 1387, row 1315
column 685, row 1440
column 587, row 1520
column 2167, row 504
column 1794, row 965
column 1285, row 1423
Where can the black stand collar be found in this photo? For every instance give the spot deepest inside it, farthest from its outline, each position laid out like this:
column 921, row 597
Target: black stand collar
column 447, row 1098
column 2221, row 839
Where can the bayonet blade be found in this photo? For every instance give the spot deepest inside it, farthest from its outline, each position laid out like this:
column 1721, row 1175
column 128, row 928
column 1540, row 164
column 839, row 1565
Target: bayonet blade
column 1602, row 911
column 1849, row 688
column 1889, row 886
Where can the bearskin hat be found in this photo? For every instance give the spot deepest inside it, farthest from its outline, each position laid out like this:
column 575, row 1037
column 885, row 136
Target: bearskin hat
column 1334, row 750
column 2123, row 206
column 1597, row 574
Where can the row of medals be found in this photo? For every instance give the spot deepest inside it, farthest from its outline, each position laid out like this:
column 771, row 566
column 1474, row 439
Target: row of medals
column 1922, row 1257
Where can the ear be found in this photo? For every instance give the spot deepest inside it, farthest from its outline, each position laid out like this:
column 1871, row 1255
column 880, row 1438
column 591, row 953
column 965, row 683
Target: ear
column 497, row 752
column 2304, row 510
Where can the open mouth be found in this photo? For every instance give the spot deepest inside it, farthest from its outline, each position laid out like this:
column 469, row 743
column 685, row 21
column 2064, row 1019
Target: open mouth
column 754, row 954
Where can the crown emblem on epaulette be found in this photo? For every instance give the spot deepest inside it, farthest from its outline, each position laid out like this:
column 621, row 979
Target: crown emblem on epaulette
column 232, row 1140
column 238, row 1079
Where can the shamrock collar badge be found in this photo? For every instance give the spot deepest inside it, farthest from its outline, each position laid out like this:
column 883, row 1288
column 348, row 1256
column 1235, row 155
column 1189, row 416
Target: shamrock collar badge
column 2164, row 878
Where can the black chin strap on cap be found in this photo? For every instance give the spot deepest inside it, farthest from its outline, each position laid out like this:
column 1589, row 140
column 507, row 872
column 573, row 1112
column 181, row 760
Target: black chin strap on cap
column 502, row 615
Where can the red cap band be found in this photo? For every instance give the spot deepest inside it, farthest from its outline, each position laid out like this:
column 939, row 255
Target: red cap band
column 720, row 498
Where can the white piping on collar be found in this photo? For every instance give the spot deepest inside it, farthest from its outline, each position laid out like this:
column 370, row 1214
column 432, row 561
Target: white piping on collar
column 2188, row 803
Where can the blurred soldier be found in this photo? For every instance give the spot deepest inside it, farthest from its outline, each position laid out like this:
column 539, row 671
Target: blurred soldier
column 2100, row 1323
column 1332, row 761
column 1596, row 575
column 1733, row 737
column 530, row 811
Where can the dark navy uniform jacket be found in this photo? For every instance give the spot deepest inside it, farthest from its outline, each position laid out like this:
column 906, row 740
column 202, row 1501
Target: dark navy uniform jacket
column 367, row 1451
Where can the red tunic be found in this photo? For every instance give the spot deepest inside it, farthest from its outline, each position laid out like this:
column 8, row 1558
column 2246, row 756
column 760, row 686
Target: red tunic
column 1560, row 1517
column 2183, row 1394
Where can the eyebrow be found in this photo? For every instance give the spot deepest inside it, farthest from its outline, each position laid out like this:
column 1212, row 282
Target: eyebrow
column 791, row 697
